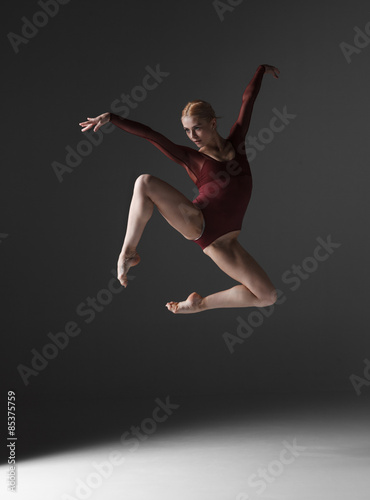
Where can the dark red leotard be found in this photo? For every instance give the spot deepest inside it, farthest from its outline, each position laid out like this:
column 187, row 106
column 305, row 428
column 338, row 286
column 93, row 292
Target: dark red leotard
column 225, row 187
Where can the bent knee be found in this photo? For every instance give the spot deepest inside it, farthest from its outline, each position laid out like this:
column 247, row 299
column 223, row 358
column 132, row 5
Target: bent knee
column 268, row 298
column 143, row 180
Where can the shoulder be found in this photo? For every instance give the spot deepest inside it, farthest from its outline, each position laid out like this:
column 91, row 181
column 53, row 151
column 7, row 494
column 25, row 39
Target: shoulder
column 193, row 153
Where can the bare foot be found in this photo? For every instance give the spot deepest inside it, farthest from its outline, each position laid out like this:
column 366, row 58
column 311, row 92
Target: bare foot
column 125, row 261
column 192, row 304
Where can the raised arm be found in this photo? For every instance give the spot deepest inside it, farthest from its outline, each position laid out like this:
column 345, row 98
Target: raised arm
column 241, row 125
column 180, row 154
column 174, row 151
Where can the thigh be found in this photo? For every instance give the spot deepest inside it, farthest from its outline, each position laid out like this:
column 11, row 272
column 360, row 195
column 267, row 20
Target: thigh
column 178, row 210
column 236, row 262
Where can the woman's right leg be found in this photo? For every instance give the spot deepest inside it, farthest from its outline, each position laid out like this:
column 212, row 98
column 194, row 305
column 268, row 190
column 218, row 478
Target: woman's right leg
column 179, row 212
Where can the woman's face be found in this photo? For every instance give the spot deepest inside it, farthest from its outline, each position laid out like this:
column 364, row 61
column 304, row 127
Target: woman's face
column 199, row 130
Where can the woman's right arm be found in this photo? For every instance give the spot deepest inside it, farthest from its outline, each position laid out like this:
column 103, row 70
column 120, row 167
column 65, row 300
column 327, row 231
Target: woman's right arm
column 96, row 122
column 179, row 154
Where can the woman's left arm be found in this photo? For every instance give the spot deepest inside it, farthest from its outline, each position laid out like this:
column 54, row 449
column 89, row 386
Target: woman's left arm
column 249, row 96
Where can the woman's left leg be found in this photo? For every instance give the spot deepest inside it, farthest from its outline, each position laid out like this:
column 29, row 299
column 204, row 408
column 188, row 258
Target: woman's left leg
column 255, row 289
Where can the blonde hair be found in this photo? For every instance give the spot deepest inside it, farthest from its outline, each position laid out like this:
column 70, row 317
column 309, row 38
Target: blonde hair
column 199, row 108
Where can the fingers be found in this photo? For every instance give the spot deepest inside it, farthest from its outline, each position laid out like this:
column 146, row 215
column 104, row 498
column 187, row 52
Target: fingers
column 89, row 121
column 272, row 70
column 88, row 124
column 97, row 127
column 92, row 122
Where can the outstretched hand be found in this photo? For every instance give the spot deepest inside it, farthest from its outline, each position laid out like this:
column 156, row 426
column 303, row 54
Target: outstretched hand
column 271, row 70
column 96, row 122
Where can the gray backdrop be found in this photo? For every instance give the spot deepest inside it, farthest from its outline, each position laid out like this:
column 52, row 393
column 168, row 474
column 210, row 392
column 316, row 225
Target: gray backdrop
column 61, row 234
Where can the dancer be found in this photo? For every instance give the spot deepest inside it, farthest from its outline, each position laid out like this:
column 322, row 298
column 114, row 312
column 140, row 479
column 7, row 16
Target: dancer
column 213, row 220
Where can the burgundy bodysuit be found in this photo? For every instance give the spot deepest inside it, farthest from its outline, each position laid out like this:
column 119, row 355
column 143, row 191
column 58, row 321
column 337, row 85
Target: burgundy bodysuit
column 225, row 187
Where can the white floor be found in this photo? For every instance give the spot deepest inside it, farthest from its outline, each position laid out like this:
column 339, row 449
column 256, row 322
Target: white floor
column 238, row 457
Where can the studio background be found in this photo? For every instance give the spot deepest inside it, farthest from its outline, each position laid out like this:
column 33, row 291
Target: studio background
column 61, row 238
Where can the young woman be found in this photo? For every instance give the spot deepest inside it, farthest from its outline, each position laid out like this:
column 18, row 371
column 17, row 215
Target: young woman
column 213, row 220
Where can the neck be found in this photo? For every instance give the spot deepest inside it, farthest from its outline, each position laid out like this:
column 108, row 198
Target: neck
column 217, row 143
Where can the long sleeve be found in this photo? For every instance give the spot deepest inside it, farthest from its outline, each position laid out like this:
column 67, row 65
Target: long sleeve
column 240, row 127
column 182, row 155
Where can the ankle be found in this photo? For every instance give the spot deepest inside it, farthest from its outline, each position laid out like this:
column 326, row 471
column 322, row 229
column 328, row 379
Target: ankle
column 128, row 251
column 203, row 304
